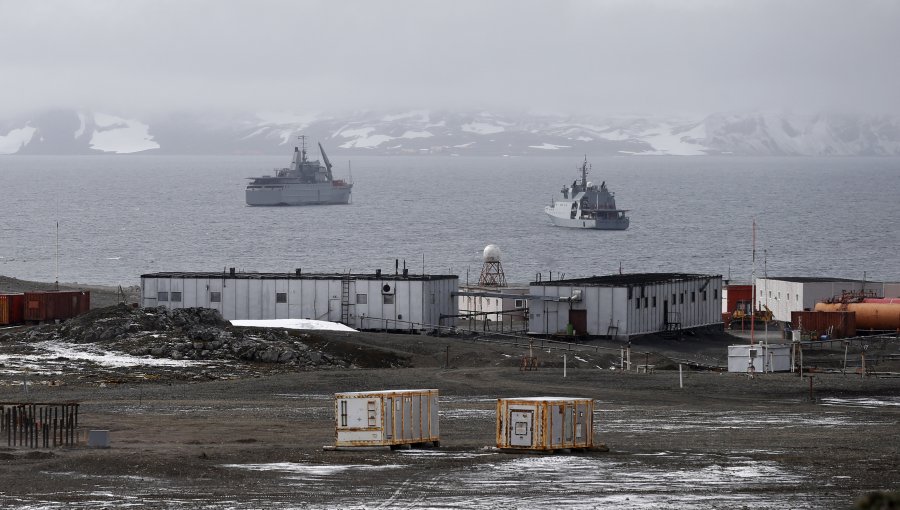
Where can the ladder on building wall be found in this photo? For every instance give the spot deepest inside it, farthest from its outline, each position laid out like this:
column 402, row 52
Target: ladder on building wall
column 345, row 300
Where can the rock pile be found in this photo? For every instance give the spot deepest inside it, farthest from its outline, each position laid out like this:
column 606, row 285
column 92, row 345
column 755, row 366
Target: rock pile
column 187, row 333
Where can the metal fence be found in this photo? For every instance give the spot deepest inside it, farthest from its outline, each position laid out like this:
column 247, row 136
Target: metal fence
column 39, row 425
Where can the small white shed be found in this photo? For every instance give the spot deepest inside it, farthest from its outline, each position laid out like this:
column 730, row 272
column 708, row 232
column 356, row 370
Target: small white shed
column 762, row 357
column 545, row 423
column 386, row 418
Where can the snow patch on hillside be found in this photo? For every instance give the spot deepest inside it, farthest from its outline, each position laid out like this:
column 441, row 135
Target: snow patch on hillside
column 121, row 136
column 549, row 146
column 16, row 139
column 481, row 128
column 416, row 134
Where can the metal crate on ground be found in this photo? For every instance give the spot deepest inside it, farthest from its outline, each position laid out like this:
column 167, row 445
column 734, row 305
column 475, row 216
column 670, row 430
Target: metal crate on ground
column 545, row 423
column 392, row 418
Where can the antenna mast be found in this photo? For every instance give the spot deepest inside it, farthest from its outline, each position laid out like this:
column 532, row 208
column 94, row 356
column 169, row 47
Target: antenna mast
column 57, row 254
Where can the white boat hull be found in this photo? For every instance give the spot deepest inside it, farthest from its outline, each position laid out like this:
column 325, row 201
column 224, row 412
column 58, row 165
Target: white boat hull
column 589, row 223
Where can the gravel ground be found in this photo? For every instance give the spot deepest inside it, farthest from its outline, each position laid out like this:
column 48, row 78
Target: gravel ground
column 250, row 435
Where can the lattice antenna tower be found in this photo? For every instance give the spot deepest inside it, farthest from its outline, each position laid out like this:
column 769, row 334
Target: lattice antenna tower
column 492, row 271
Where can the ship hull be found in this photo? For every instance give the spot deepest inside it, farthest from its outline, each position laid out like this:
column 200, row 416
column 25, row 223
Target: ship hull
column 589, row 223
column 298, row 194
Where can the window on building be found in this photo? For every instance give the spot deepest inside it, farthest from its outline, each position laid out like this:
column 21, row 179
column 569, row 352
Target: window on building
column 693, row 297
column 637, row 303
column 215, row 297
column 388, row 299
column 281, row 297
column 681, row 298
column 175, row 297
column 673, row 299
column 361, row 299
column 520, row 303
column 653, row 302
column 715, row 293
column 630, row 292
column 703, row 295
column 343, row 413
column 645, row 302
column 162, row 296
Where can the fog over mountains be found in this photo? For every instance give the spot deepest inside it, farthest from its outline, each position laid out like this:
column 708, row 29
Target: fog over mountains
column 71, row 132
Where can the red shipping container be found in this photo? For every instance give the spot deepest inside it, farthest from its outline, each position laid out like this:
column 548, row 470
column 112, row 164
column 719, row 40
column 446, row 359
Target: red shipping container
column 841, row 324
column 738, row 293
column 12, row 309
column 56, row 305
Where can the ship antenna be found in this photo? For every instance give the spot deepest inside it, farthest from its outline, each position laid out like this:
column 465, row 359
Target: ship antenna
column 584, row 173
column 302, row 148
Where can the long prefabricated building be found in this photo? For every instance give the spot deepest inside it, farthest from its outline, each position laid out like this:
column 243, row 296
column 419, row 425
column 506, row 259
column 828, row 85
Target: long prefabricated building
column 396, row 302
column 545, row 423
column 386, row 418
column 625, row 305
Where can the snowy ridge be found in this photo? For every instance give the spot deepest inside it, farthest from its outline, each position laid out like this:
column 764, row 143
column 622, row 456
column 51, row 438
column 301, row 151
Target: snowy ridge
column 456, row 133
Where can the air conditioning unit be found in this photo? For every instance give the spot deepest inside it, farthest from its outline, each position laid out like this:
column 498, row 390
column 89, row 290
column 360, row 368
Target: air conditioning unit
column 387, row 288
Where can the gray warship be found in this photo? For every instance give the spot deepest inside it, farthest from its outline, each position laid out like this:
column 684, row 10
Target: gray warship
column 304, row 183
column 585, row 205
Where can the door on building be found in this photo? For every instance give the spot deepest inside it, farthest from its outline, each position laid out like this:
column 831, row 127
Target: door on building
column 578, row 318
column 521, row 425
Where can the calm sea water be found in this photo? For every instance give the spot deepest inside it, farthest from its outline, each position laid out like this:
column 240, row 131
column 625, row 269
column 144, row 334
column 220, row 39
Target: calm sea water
column 121, row 216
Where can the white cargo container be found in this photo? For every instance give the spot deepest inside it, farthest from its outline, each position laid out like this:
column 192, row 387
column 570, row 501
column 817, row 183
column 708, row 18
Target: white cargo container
column 386, row 418
column 545, row 423
column 763, row 357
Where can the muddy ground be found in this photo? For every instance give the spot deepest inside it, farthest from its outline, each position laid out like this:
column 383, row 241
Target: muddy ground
column 252, row 437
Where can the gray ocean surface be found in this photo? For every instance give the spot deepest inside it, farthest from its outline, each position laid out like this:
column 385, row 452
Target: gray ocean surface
column 122, row 216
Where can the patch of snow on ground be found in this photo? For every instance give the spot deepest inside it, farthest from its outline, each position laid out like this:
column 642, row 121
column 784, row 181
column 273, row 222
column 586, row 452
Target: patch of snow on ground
column 423, row 116
column 549, row 146
column 293, row 324
column 366, row 142
column 416, row 134
column 121, row 136
column 82, row 126
column 665, row 142
column 464, row 145
column 16, row 139
column 481, row 128
column 356, row 133
column 314, row 470
column 92, row 353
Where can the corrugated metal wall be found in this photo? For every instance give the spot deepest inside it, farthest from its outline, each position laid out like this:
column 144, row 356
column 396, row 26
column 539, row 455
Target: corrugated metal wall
column 620, row 312
column 405, row 304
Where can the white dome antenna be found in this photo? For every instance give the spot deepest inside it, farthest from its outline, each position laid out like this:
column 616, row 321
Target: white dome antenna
column 492, row 272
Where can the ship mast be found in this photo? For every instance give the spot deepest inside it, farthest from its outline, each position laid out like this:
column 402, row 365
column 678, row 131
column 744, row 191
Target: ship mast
column 584, row 169
column 302, row 148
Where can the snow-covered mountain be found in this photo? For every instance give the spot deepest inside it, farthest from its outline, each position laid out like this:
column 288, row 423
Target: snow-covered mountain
column 453, row 133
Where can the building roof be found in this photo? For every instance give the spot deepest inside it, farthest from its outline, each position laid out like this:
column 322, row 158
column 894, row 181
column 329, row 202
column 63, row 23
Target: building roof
column 815, row 279
column 301, row 276
column 625, row 280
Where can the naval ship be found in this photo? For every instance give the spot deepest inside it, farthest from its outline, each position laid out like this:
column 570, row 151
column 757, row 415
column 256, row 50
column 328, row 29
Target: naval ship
column 585, row 205
column 304, row 183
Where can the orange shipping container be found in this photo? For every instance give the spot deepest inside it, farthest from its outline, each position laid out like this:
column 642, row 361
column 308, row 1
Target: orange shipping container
column 12, row 309
column 56, row 305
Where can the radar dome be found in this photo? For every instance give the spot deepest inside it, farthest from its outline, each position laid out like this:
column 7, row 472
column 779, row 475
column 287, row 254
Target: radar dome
column 491, row 253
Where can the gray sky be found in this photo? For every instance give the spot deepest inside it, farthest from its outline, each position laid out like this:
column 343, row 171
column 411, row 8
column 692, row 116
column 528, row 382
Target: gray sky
column 592, row 56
